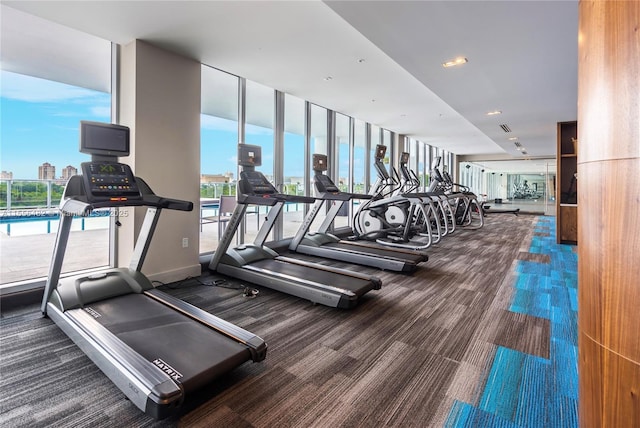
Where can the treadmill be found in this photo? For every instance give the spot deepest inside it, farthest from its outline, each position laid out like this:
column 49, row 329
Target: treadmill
column 324, row 244
column 157, row 349
column 261, row 265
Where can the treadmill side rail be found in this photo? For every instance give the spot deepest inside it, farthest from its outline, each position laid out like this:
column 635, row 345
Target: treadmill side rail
column 148, row 387
column 257, row 346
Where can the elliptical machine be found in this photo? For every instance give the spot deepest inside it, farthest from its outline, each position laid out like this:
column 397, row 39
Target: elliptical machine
column 388, row 218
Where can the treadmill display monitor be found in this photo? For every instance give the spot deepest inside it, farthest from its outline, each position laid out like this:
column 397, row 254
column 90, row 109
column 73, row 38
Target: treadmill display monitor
column 319, row 162
column 108, row 180
column 107, row 139
column 404, row 158
column 381, row 151
column 249, row 155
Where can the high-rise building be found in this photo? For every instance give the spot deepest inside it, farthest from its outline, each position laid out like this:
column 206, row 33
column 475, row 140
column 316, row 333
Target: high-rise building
column 68, row 172
column 46, row 171
column 6, row 175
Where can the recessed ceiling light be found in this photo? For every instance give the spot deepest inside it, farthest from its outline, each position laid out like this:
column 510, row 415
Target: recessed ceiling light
column 458, row 61
column 373, row 101
column 326, row 79
column 493, row 113
column 513, row 138
column 361, row 60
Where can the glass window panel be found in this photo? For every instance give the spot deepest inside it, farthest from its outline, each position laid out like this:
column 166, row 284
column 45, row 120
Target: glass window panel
column 423, row 173
column 386, row 141
column 293, row 162
column 342, row 160
column 375, row 140
column 39, row 130
column 260, row 106
column 218, row 149
column 359, row 161
column 318, row 145
column 359, row 157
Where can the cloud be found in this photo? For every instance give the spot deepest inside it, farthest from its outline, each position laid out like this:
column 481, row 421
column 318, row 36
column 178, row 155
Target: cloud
column 32, row 89
column 101, row 111
column 257, row 130
column 218, row 123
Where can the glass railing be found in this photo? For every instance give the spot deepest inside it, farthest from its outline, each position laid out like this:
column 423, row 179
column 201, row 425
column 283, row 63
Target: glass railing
column 20, row 194
column 29, row 220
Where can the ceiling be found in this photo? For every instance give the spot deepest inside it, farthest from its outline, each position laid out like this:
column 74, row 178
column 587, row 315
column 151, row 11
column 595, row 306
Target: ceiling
column 384, row 59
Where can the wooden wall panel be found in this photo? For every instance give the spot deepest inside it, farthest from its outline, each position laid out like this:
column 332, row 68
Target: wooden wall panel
column 609, row 255
column 609, row 213
column 609, row 392
column 608, row 80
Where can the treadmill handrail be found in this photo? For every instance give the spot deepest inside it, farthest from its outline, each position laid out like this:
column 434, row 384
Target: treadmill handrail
column 257, row 347
column 272, row 199
column 333, row 269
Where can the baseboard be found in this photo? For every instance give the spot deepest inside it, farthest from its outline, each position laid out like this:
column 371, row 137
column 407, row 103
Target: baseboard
column 175, row 275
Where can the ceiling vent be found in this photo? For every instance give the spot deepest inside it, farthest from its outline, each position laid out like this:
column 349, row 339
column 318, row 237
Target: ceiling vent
column 505, row 127
column 517, row 144
column 524, row 152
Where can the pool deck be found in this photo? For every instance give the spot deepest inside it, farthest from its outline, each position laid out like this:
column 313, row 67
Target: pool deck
column 29, row 256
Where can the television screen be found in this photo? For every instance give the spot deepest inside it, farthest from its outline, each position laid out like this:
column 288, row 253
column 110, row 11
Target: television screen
column 380, row 151
column 249, row 155
column 97, row 138
column 404, row 158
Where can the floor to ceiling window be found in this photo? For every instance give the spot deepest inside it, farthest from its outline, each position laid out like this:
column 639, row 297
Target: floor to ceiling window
column 386, row 140
column 375, row 140
column 218, row 150
column 319, row 144
column 293, row 160
column 260, row 106
column 343, row 162
column 360, row 165
column 421, row 171
column 50, row 82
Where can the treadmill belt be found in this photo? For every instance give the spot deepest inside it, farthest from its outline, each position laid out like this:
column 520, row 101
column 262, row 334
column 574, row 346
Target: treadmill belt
column 358, row 286
column 378, row 252
column 187, row 350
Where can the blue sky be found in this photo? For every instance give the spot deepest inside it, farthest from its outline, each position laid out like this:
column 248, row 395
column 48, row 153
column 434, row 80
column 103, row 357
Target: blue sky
column 39, row 122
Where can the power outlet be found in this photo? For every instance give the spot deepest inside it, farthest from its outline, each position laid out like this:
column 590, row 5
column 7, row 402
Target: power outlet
column 185, row 242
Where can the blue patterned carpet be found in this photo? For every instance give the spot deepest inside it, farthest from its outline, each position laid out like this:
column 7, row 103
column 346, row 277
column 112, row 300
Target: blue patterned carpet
column 524, row 390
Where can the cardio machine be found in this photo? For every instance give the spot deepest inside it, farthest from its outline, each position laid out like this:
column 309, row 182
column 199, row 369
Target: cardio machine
column 261, row 265
column 157, row 349
column 324, row 244
column 388, row 218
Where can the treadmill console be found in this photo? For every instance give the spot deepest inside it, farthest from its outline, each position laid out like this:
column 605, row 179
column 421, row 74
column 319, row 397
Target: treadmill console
column 105, row 180
column 324, row 184
column 256, row 183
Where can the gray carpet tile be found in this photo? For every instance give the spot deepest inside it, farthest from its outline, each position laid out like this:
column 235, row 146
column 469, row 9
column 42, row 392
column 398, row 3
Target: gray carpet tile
column 400, row 358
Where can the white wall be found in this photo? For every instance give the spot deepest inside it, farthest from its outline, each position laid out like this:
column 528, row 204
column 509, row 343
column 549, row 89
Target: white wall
column 159, row 99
